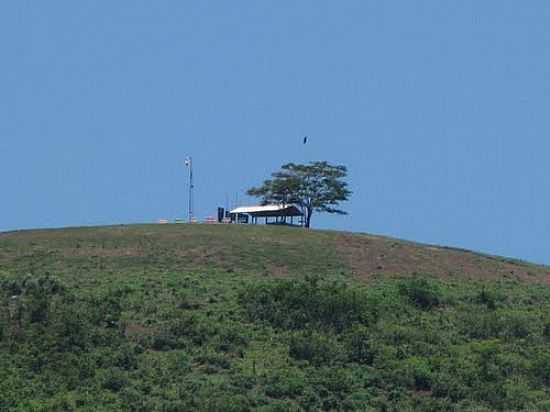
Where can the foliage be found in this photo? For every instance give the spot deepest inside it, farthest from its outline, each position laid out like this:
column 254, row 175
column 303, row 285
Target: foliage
column 316, row 348
column 299, row 304
column 315, row 187
column 420, row 292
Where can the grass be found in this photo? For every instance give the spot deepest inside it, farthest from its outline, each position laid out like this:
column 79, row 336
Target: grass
column 156, row 249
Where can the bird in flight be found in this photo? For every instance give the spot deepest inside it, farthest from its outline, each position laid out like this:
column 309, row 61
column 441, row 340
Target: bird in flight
column 305, row 139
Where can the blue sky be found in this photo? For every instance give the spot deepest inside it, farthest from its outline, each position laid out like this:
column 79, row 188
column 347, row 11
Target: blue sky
column 440, row 110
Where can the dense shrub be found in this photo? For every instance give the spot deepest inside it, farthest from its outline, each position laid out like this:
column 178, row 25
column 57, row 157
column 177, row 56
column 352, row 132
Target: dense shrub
column 114, row 380
column 164, row 342
column 214, row 361
column 541, row 367
column 487, row 297
column 331, row 381
column 480, row 323
column 282, row 344
column 285, row 384
column 32, row 299
column 421, row 373
column 546, row 329
column 276, row 405
column 359, row 345
column 293, row 304
column 227, row 402
column 126, row 357
column 449, row 385
column 421, row 292
column 316, row 348
column 190, row 327
column 516, row 324
column 231, row 339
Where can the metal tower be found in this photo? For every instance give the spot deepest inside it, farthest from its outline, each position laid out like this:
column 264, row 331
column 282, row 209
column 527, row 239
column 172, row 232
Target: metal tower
column 189, row 164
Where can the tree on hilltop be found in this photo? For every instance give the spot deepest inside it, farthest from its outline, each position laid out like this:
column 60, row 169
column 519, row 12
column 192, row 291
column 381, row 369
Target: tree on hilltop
column 314, row 187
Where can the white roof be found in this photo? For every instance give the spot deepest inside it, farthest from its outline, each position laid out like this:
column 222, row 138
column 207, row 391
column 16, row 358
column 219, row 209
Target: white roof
column 259, row 209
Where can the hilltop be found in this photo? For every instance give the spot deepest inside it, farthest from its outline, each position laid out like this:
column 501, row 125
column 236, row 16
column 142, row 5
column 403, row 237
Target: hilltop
column 240, row 317
column 261, row 250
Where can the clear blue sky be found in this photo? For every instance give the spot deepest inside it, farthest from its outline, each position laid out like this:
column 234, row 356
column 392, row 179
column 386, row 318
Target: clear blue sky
column 440, row 109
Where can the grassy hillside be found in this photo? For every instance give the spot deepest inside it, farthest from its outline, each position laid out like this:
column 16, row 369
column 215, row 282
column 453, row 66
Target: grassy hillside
column 237, row 318
column 257, row 250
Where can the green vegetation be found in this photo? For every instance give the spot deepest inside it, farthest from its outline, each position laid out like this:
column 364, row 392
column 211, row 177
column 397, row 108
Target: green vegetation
column 140, row 319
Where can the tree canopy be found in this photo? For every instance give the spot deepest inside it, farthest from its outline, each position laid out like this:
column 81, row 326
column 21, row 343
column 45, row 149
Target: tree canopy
column 314, row 187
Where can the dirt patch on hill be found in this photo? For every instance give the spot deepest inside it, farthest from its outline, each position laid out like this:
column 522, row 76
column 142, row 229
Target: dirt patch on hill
column 133, row 329
column 369, row 256
column 277, row 270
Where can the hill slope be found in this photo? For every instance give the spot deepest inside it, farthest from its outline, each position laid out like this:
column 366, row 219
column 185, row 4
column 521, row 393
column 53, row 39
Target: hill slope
column 247, row 249
column 239, row 318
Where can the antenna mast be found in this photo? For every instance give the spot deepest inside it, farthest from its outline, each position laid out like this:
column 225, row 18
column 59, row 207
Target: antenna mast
column 189, row 164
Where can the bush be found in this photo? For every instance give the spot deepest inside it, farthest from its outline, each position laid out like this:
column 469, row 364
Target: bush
column 541, row 368
column 125, row 358
column 516, row 325
column 214, row 361
column 421, row 373
column 226, row 402
column 420, row 292
column 480, row 324
column 165, row 342
column 546, row 329
column 277, row 405
column 295, row 305
column 114, row 380
column 448, row 385
column 487, row 297
column 33, row 297
column 285, row 384
column 335, row 381
column 231, row 339
column 318, row 349
column 359, row 346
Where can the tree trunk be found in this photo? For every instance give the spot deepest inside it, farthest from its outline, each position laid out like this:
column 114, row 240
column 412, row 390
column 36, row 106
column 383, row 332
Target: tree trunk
column 308, row 219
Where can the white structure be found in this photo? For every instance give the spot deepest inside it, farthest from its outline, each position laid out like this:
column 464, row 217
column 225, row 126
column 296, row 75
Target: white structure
column 280, row 213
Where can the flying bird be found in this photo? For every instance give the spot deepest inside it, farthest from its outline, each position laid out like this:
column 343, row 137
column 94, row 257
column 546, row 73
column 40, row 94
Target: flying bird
column 305, row 139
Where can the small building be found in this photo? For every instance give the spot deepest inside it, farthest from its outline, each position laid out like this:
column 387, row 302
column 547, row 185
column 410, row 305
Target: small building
column 273, row 214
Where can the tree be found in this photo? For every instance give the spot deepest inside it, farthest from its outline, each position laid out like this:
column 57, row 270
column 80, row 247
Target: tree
column 314, row 187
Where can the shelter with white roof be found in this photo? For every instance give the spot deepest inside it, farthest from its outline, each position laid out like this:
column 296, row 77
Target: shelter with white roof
column 273, row 214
